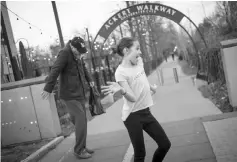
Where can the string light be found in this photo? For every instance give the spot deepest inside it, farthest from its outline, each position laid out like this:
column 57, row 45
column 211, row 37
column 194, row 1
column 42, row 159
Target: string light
column 19, row 17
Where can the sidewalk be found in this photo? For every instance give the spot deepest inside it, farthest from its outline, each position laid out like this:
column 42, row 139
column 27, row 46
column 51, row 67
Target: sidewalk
column 178, row 107
column 200, row 139
column 109, row 147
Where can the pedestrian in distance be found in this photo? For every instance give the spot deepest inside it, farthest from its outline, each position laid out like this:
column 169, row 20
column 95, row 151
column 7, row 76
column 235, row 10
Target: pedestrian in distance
column 132, row 83
column 73, row 75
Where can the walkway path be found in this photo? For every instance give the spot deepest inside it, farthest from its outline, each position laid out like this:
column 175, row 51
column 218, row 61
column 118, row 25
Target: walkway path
column 177, row 106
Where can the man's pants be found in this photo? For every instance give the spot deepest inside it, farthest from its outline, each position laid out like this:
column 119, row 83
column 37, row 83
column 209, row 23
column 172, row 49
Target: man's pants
column 77, row 111
column 144, row 120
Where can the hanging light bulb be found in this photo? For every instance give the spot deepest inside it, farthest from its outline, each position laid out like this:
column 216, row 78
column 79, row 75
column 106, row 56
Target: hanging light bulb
column 17, row 18
column 30, row 27
column 41, row 33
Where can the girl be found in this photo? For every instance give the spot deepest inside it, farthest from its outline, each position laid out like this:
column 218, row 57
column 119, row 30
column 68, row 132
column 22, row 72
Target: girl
column 132, row 83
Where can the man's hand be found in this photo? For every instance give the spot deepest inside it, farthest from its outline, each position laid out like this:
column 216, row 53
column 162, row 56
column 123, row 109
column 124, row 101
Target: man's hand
column 45, row 95
column 92, row 84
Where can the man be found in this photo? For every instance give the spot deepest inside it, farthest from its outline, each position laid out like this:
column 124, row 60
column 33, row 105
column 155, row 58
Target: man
column 172, row 54
column 72, row 89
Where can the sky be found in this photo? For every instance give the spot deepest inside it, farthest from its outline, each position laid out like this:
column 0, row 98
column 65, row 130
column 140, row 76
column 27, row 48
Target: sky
column 76, row 15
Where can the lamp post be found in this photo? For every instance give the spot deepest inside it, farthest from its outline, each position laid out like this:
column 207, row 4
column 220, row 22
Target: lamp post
column 58, row 24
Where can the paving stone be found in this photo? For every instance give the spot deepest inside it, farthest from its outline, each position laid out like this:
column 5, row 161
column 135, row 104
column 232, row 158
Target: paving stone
column 219, row 116
column 204, row 160
column 184, row 140
column 101, row 155
column 223, row 138
column 178, row 128
column 107, row 135
column 187, row 153
column 226, row 158
column 55, row 154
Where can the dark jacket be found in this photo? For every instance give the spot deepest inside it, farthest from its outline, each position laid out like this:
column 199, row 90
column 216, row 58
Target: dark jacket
column 73, row 76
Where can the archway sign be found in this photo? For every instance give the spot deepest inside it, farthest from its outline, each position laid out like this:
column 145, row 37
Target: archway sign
column 143, row 9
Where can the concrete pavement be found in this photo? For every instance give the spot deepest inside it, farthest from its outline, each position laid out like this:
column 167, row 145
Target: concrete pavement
column 178, row 107
column 211, row 138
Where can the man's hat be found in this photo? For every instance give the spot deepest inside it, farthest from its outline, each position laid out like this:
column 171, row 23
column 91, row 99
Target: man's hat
column 79, row 44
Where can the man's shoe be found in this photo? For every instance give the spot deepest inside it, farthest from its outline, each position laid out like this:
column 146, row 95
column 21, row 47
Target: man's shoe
column 89, row 151
column 83, row 155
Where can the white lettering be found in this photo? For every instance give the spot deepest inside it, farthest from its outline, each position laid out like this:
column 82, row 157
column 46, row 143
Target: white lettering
column 162, row 8
column 168, row 11
column 107, row 26
column 146, row 7
column 119, row 16
column 151, row 8
column 139, row 8
column 156, row 8
column 173, row 12
column 110, row 22
column 124, row 13
column 128, row 10
column 115, row 19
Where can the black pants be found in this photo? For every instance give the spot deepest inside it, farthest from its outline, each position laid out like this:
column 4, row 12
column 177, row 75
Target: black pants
column 77, row 111
column 144, row 120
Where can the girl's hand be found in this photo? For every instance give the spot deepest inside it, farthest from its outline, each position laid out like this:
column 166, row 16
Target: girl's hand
column 153, row 88
column 112, row 87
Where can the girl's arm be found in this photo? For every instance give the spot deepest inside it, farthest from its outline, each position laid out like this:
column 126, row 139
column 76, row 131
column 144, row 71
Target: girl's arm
column 127, row 92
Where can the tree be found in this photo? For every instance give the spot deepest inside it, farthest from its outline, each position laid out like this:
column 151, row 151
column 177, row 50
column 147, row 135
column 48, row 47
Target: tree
column 27, row 70
column 54, row 49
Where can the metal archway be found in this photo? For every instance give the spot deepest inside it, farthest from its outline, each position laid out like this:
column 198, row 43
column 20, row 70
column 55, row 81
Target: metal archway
column 143, row 9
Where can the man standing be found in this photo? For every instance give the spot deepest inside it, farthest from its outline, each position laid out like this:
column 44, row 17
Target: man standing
column 72, row 89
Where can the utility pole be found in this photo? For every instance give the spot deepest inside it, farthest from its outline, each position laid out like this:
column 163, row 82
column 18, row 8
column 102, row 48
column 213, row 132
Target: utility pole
column 130, row 22
column 58, row 24
column 92, row 55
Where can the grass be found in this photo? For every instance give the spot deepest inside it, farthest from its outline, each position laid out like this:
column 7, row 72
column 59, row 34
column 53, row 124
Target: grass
column 186, row 69
column 217, row 93
column 18, row 152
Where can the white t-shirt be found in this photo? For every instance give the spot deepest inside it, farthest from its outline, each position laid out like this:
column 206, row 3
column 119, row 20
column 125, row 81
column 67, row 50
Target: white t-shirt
column 138, row 82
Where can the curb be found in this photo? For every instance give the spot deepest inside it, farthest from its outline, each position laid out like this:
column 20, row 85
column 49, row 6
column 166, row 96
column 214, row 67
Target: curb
column 43, row 150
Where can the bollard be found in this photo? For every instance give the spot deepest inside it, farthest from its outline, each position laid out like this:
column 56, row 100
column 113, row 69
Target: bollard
column 176, row 78
column 193, row 80
column 160, row 76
